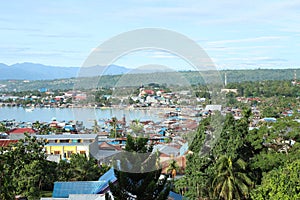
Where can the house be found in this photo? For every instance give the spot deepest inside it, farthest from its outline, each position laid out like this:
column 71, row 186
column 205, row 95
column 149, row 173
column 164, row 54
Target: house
column 106, row 146
column 268, row 119
column 59, row 98
column 106, row 153
column 167, row 151
column 90, row 190
column 67, row 144
column 213, row 108
column 79, row 197
column 106, row 156
column 3, row 135
column 7, row 142
column 144, row 92
column 66, row 189
column 149, row 92
column 181, row 162
column 80, row 97
column 229, row 90
column 19, row 133
column 174, row 196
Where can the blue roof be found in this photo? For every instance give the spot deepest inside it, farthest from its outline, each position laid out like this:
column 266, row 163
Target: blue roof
column 64, row 189
column 163, row 129
column 175, row 196
column 109, row 176
column 269, row 119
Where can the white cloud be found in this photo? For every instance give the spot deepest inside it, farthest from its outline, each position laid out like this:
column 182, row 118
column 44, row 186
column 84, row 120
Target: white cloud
column 246, row 40
column 161, row 54
column 238, row 48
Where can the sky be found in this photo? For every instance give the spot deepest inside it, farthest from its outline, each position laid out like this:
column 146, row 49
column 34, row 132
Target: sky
column 235, row 34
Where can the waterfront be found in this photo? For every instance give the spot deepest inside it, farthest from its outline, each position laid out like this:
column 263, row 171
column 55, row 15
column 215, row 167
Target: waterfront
column 87, row 115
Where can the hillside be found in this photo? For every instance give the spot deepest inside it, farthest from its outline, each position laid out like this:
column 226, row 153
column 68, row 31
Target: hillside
column 168, row 78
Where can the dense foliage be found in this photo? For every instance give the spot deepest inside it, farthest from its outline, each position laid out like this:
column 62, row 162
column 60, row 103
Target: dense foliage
column 138, row 176
column 282, row 183
column 25, row 170
column 240, row 164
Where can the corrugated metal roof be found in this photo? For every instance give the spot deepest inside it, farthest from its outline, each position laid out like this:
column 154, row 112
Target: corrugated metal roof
column 68, row 136
column 6, row 142
column 64, row 189
column 168, row 150
column 175, row 196
column 21, row 131
column 109, row 176
column 213, row 107
column 102, row 154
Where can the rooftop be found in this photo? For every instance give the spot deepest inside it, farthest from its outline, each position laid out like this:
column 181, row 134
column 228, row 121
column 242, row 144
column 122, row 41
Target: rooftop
column 22, row 131
column 68, row 136
column 6, row 142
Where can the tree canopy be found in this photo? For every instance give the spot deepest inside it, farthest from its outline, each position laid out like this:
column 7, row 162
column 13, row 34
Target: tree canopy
column 138, row 176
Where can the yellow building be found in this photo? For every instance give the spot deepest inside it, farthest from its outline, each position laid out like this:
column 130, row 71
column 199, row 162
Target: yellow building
column 67, row 144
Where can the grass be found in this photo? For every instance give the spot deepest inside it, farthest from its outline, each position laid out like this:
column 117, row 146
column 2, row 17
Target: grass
column 46, row 193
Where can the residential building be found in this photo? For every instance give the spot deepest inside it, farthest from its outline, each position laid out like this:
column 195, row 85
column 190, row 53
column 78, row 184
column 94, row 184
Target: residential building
column 67, row 144
column 7, row 142
column 19, row 133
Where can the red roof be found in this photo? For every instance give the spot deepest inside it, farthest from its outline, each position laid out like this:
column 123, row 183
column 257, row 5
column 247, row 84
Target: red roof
column 149, row 91
column 21, row 131
column 6, row 142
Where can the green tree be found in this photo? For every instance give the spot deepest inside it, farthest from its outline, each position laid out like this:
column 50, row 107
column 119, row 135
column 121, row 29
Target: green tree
column 231, row 180
column 136, row 127
column 84, row 168
column 214, row 138
column 196, row 183
column 114, row 124
column 2, row 127
column 6, row 186
column 25, row 167
column 138, row 175
column 282, row 183
column 64, row 171
column 173, row 168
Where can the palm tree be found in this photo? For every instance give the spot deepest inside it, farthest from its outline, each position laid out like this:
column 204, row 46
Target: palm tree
column 96, row 127
column 113, row 123
column 136, row 127
column 3, row 128
column 173, row 168
column 37, row 125
column 231, row 181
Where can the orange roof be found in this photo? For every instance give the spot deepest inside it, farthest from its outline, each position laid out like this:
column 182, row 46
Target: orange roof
column 6, row 142
column 106, row 146
column 22, row 131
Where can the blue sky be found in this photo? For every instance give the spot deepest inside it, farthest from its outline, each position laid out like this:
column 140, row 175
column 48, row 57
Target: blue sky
column 235, row 34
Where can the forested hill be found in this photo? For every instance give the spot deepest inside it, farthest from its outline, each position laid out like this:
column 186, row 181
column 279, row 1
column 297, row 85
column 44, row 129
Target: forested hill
column 168, row 78
column 260, row 74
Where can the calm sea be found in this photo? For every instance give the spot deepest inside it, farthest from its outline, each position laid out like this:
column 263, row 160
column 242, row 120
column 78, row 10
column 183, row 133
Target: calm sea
column 87, row 115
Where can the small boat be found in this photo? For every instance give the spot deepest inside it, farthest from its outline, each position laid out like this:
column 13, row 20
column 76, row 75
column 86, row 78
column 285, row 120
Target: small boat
column 29, row 109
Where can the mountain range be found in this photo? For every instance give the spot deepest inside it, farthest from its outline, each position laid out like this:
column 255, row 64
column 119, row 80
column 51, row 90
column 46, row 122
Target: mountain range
column 33, row 71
